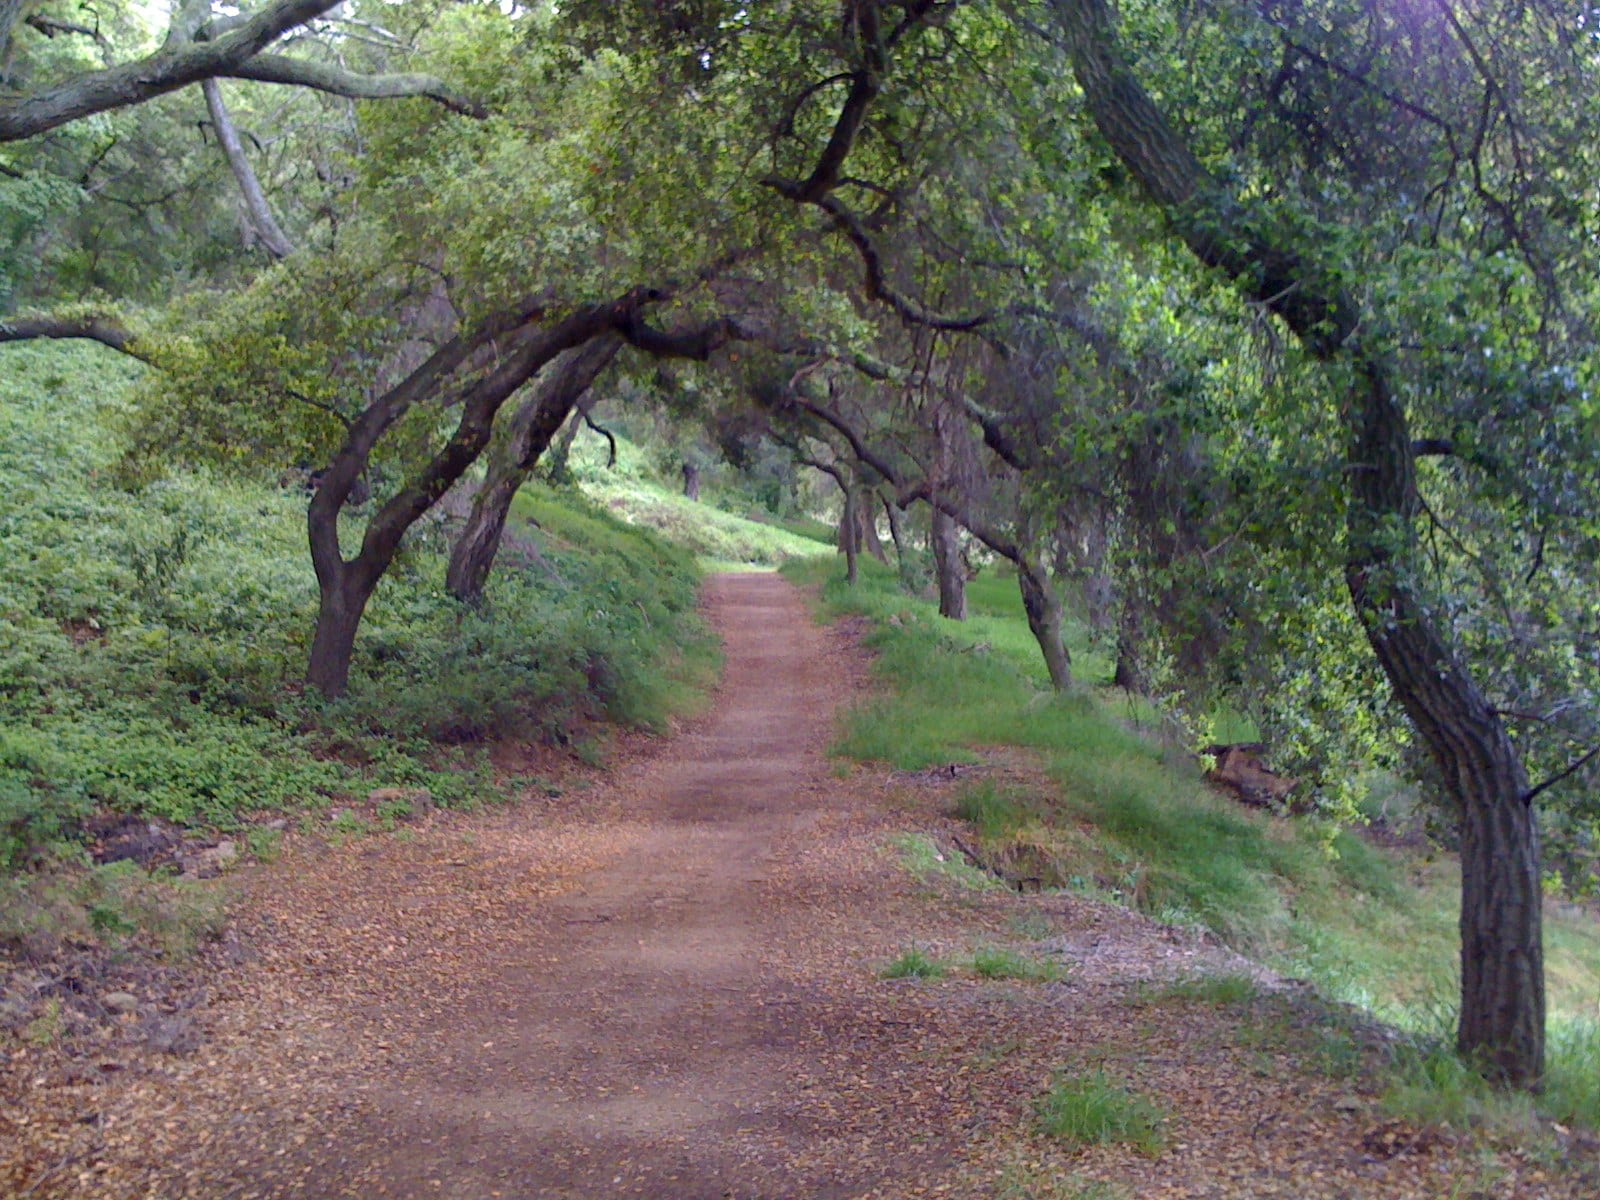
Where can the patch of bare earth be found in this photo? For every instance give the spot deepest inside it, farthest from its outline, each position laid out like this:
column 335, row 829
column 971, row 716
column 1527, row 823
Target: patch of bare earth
column 668, row 986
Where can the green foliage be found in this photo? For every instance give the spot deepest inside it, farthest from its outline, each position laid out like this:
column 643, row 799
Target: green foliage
column 1127, row 821
column 108, row 906
column 1093, row 1109
column 1000, row 962
column 154, row 637
column 722, row 537
column 924, row 858
column 914, row 963
column 1162, row 841
column 1223, row 991
column 995, row 813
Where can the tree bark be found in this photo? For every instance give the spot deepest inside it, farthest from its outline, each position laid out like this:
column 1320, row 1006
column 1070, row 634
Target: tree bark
column 867, row 518
column 691, row 481
column 346, row 586
column 850, row 536
column 177, row 64
column 199, row 48
column 1042, row 605
column 262, row 223
column 902, row 555
column 10, row 14
column 1129, row 672
column 947, row 566
column 105, row 330
column 1502, row 972
column 523, row 346
column 560, row 388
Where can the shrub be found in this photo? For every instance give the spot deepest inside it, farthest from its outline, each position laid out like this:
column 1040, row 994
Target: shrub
column 1093, row 1109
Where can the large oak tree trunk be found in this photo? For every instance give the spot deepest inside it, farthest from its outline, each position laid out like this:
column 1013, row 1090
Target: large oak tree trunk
column 948, row 567
column 1502, row 957
column 343, row 602
column 560, row 387
column 1502, row 971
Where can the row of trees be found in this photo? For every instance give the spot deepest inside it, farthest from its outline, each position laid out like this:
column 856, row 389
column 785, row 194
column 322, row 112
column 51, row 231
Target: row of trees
column 1197, row 315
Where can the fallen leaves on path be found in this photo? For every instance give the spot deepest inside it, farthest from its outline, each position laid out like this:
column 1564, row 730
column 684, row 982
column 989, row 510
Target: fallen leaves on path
column 667, row 985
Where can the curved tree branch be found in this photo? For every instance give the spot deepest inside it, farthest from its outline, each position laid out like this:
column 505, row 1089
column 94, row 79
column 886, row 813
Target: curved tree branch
column 177, row 64
column 199, row 48
column 335, row 80
column 105, row 330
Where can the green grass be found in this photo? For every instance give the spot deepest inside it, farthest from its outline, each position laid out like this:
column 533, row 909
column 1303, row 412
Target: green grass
column 725, row 533
column 999, row 962
column 1094, row 1109
column 923, row 857
column 154, row 636
column 914, row 963
column 110, row 906
column 1121, row 818
column 1223, row 991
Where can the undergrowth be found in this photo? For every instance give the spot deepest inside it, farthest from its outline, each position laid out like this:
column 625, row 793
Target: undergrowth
column 154, row 636
column 1094, row 1109
column 1124, row 819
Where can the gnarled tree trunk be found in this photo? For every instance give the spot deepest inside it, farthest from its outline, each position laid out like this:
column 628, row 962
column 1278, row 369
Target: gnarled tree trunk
column 850, row 534
column 345, row 586
column 560, row 387
column 1502, row 970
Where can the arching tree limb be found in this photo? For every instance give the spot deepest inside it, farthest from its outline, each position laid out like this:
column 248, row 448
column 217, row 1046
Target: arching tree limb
column 197, row 48
column 105, row 330
column 336, row 81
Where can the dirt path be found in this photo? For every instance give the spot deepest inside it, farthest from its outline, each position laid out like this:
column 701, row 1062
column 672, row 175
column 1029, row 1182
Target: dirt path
column 631, row 1038
column 669, row 986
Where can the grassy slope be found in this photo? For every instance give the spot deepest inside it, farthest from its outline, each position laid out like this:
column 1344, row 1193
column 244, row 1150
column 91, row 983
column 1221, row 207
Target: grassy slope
column 731, row 538
column 1126, row 820
column 153, row 639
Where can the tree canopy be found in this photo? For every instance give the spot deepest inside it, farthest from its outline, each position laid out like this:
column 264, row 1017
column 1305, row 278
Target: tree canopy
column 1259, row 332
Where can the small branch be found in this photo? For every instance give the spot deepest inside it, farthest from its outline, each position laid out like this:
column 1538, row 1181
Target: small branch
column 1529, row 795
column 877, row 281
column 611, row 439
column 320, row 407
column 50, row 27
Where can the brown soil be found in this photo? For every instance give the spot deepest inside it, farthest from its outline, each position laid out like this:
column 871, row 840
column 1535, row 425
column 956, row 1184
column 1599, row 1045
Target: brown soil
column 668, row 985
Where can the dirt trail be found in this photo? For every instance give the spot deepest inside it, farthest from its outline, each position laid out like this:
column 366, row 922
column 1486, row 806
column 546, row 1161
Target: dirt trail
column 669, row 986
column 625, row 1048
